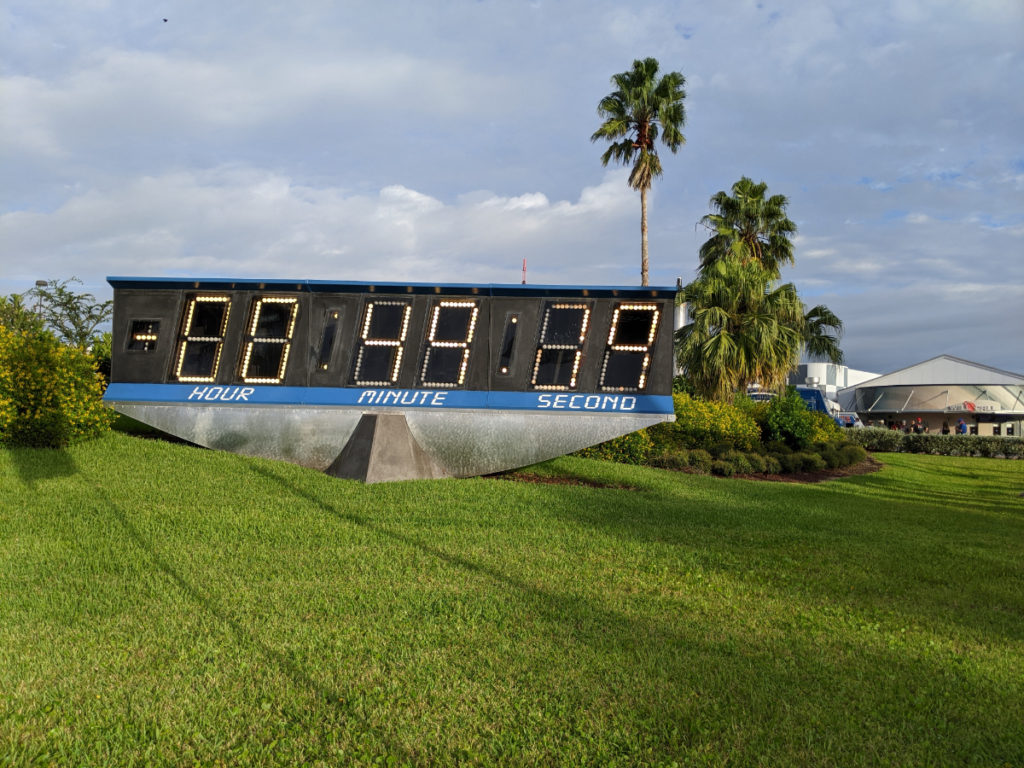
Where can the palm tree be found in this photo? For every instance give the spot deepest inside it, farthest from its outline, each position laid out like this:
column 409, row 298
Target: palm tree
column 746, row 327
column 822, row 332
column 750, row 226
column 642, row 107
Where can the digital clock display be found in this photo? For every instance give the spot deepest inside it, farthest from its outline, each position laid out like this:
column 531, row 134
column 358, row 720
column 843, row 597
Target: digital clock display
column 244, row 348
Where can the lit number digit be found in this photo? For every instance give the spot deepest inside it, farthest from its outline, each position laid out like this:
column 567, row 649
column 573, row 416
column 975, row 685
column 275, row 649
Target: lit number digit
column 202, row 338
column 143, row 335
column 269, row 340
column 628, row 354
column 381, row 340
column 452, row 324
column 561, row 346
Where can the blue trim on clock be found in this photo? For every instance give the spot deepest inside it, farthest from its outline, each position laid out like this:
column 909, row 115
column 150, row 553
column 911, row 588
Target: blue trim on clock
column 279, row 285
column 240, row 395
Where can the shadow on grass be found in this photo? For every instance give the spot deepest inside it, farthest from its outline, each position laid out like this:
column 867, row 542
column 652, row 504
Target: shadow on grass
column 37, row 464
column 244, row 636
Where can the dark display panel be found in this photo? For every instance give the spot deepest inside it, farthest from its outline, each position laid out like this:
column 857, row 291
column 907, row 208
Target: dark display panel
column 452, row 326
column 381, row 343
column 269, row 340
column 560, row 349
column 592, row 341
column 628, row 356
column 202, row 338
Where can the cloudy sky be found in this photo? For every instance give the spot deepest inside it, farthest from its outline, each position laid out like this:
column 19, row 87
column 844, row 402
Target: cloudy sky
column 445, row 141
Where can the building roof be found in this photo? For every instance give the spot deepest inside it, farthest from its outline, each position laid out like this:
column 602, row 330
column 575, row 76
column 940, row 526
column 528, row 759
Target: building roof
column 944, row 369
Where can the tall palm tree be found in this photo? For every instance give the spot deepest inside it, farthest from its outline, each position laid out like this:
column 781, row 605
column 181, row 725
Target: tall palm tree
column 749, row 225
column 745, row 326
column 642, row 107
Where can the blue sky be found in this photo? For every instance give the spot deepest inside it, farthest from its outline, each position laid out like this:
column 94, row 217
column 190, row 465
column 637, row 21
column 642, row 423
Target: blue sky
column 444, row 142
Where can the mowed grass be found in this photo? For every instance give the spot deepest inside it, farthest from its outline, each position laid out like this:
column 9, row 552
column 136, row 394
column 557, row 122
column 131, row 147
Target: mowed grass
column 160, row 604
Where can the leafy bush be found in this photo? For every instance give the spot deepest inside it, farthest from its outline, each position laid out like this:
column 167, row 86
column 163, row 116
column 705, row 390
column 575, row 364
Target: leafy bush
column 824, row 428
column 722, row 468
column 787, row 418
column 852, row 454
column 700, row 460
column 772, row 466
column 809, row 462
column 877, row 439
column 738, row 461
column 679, row 459
column 101, row 351
column 757, row 462
column 706, row 423
column 50, row 394
column 633, row 448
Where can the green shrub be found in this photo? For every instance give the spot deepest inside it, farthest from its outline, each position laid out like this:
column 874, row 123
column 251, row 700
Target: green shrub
column 722, row 447
column 738, row 461
column 757, row 462
column 824, row 428
column 101, row 351
column 877, row 439
column 851, row 454
column 787, row 418
column 809, row 462
column 50, row 394
column 788, row 462
column 722, row 468
column 679, row 459
column 633, row 448
column 705, row 423
column 700, row 460
column 772, row 466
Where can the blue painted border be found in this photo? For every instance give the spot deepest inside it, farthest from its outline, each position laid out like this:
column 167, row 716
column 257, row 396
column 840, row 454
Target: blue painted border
column 332, row 286
column 402, row 399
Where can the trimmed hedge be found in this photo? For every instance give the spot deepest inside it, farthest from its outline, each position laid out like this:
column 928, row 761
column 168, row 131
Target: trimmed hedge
column 893, row 441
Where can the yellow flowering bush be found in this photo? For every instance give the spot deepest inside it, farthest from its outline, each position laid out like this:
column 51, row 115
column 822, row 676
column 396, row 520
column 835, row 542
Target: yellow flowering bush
column 50, row 394
column 705, row 423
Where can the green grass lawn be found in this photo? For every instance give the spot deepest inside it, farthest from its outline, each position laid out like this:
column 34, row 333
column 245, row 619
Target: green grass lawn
column 160, row 604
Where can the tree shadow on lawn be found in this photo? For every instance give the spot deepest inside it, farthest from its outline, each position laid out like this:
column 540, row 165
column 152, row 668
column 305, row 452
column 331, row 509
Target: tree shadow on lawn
column 34, row 465
column 767, row 693
column 245, row 637
column 767, row 687
column 867, row 563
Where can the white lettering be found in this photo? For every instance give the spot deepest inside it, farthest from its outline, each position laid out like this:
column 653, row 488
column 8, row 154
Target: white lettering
column 560, row 401
column 592, row 402
column 244, row 394
column 572, row 401
column 438, row 398
column 631, row 403
column 367, row 393
column 407, row 394
column 388, row 396
column 230, row 394
column 213, row 393
column 610, row 403
column 198, row 393
column 543, row 401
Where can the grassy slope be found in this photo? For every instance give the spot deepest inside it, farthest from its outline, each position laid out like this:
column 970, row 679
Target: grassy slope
column 164, row 604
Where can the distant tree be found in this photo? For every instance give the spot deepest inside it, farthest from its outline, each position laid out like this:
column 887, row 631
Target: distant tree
column 642, row 107
column 822, row 332
column 17, row 316
column 749, row 226
column 746, row 327
column 73, row 317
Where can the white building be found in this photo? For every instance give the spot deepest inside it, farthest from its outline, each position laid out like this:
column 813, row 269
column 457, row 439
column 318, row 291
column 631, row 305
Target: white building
column 940, row 392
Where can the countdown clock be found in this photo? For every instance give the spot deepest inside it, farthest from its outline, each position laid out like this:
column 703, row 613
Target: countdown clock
column 391, row 380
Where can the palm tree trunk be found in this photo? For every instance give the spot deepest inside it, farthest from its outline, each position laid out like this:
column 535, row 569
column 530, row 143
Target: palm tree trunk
column 643, row 236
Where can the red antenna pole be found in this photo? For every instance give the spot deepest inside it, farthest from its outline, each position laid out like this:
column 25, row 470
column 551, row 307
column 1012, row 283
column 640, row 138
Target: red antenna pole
column 524, row 270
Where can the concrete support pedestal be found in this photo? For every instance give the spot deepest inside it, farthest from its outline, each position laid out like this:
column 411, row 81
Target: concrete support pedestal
column 382, row 449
